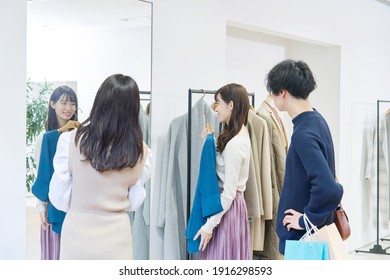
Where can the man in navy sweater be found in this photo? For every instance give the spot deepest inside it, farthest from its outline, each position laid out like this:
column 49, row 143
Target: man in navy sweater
column 309, row 184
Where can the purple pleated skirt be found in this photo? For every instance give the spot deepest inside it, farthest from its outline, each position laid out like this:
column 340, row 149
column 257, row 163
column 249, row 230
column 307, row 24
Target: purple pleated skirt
column 231, row 238
column 50, row 244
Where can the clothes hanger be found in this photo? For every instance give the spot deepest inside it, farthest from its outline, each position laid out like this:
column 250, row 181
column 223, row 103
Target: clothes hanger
column 69, row 125
column 208, row 125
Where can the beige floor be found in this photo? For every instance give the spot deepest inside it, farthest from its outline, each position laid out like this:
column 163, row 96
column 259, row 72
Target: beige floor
column 33, row 238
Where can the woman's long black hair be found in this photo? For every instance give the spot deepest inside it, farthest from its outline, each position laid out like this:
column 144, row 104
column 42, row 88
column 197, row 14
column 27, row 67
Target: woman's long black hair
column 111, row 137
column 69, row 95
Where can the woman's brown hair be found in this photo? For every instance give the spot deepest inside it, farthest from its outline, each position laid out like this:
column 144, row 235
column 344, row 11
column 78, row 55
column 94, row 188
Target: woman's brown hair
column 239, row 96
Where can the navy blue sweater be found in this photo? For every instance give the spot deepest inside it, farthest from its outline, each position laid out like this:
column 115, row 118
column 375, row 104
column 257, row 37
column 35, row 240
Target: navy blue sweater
column 309, row 183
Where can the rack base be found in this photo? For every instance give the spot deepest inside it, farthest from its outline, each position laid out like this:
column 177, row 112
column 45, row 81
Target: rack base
column 377, row 249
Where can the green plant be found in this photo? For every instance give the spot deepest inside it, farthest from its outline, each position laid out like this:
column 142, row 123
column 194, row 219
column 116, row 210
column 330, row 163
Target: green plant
column 36, row 113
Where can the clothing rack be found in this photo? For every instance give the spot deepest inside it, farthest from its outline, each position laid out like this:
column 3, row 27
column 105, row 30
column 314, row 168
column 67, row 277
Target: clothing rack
column 190, row 93
column 377, row 248
column 147, row 93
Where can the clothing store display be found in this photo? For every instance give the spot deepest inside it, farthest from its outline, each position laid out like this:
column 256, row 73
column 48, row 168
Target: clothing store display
column 140, row 218
column 49, row 240
column 342, row 222
column 378, row 173
column 97, row 225
column 270, row 250
column 379, row 189
column 258, row 193
column 207, row 200
column 309, row 185
column 172, row 203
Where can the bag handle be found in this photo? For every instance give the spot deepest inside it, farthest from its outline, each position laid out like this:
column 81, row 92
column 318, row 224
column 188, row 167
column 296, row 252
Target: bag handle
column 309, row 226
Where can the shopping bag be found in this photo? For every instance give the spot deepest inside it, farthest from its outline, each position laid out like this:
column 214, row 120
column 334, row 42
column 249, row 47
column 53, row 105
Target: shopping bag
column 301, row 250
column 330, row 235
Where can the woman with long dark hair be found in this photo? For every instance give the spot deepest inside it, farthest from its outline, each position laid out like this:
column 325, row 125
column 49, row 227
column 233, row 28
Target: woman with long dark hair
column 62, row 108
column 98, row 165
column 226, row 236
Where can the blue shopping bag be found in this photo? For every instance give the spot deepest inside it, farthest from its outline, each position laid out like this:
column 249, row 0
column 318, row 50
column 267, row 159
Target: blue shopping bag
column 301, row 250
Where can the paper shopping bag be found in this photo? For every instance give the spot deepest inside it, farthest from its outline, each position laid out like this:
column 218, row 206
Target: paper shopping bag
column 301, row 250
column 330, row 234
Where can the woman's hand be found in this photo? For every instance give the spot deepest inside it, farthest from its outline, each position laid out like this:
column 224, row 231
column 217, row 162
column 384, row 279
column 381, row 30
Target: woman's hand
column 204, row 239
column 204, row 134
column 291, row 220
column 44, row 222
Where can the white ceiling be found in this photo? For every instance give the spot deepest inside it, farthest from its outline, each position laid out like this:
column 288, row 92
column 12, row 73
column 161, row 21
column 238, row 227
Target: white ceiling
column 88, row 14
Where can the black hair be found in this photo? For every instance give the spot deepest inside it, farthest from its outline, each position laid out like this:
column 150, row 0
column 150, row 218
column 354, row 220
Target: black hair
column 70, row 95
column 111, row 137
column 293, row 76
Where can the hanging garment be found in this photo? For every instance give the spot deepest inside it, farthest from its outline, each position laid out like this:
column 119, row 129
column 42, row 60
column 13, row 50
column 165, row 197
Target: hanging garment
column 49, row 241
column 278, row 161
column 140, row 219
column 372, row 171
column 268, row 108
column 207, row 200
column 173, row 188
column 261, row 151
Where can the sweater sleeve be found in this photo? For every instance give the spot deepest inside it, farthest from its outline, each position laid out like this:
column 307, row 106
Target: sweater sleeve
column 233, row 158
column 325, row 193
column 40, row 188
column 137, row 192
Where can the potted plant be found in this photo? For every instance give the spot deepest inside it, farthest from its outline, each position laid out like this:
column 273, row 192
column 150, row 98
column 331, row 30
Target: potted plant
column 36, row 113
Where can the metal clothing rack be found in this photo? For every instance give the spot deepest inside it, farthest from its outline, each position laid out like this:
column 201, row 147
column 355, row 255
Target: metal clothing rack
column 377, row 248
column 147, row 93
column 190, row 93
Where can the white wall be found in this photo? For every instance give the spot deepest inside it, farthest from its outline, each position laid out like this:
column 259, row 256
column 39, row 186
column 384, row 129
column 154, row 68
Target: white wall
column 12, row 114
column 360, row 37
column 88, row 57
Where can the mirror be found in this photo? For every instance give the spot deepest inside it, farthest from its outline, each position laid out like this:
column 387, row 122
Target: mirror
column 80, row 43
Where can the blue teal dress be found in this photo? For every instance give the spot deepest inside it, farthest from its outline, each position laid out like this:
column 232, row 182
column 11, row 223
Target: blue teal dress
column 40, row 187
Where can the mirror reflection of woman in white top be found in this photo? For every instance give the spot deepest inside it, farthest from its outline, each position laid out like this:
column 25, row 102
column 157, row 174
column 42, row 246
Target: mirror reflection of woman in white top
column 226, row 235
column 99, row 171
column 61, row 109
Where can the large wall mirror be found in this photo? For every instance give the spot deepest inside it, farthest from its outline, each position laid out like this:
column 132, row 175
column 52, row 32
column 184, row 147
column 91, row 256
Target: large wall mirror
column 79, row 44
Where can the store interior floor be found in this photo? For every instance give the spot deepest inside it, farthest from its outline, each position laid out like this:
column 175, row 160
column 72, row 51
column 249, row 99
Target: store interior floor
column 33, row 238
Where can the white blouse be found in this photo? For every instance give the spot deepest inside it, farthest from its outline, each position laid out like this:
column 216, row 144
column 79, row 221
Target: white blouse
column 60, row 188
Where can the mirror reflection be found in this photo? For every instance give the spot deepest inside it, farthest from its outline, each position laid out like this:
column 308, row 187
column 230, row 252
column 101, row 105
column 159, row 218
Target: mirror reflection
column 78, row 44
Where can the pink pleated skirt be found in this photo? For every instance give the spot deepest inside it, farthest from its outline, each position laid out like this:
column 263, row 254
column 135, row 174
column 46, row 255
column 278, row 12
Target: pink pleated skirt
column 231, row 238
column 50, row 244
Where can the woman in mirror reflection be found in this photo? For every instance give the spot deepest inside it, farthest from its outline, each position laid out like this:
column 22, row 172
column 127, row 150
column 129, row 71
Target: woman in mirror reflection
column 61, row 108
column 100, row 171
column 226, row 235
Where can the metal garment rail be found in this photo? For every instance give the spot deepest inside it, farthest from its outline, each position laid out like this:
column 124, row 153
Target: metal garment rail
column 377, row 248
column 143, row 92
column 190, row 93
